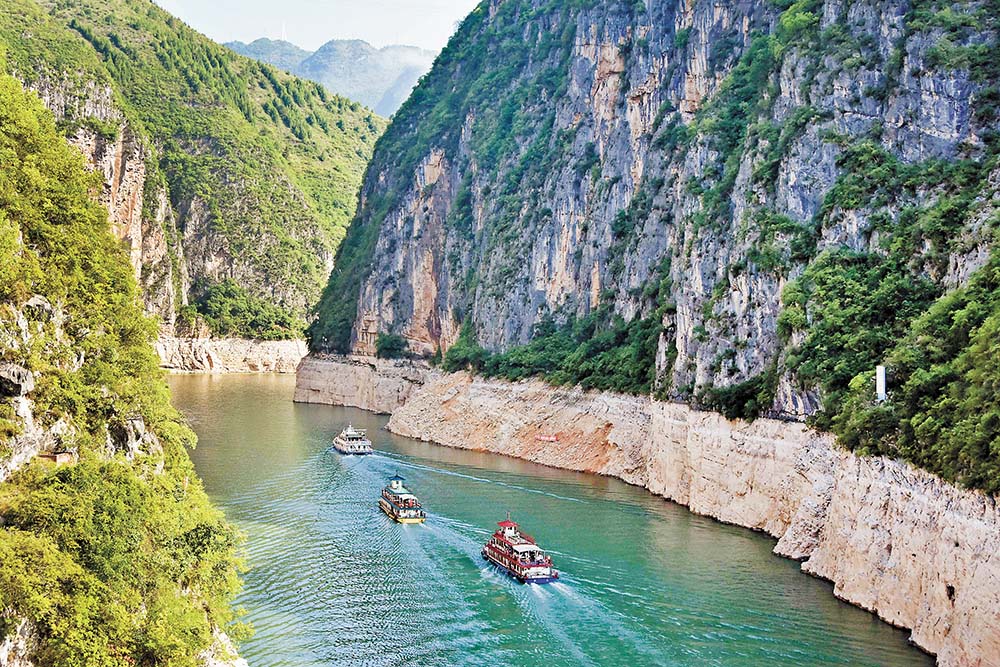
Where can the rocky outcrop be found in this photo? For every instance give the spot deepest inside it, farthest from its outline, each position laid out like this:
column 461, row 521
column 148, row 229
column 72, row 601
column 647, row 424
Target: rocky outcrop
column 17, row 647
column 230, row 355
column 625, row 166
column 222, row 653
column 212, row 190
column 19, row 643
column 15, row 380
column 920, row 553
column 33, row 438
column 97, row 126
column 379, row 385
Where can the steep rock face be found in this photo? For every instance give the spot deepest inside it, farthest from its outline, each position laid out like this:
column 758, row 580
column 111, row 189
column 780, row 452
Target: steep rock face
column 691, row 144
column 230, row 355
column 222, row 177
column 360, row 382
column 920, row 553
column 79, row 381
column 18, row 645
column 116, row 153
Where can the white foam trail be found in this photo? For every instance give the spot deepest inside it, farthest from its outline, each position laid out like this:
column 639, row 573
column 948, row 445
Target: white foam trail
column 418, row 466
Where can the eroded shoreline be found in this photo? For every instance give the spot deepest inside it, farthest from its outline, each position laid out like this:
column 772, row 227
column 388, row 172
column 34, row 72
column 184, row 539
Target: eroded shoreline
column 918, row 552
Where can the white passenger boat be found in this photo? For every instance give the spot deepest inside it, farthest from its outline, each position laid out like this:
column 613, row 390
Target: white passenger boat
column 353, row 441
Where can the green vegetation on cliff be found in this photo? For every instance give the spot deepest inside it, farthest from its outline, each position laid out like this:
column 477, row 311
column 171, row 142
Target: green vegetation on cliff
column 816, row 206
column 119, row 558
column 261, row 168
column 944, row 412
column 506, row 117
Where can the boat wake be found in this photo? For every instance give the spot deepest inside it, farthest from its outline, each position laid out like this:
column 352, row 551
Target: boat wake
column 485, row 480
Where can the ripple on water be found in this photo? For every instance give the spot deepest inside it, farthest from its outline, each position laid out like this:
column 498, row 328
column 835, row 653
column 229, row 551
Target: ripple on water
column 335, row 582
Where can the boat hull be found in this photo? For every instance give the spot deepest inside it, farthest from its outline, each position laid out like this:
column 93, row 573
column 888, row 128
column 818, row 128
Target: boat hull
column 350, row 453
column 387, row 508
column 548, row 579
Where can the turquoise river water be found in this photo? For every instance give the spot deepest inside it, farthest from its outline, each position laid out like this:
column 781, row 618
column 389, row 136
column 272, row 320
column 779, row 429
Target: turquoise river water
column 645, row 582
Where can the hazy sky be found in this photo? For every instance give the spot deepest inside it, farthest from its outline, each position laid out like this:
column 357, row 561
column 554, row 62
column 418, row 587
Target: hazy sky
column 310, row 23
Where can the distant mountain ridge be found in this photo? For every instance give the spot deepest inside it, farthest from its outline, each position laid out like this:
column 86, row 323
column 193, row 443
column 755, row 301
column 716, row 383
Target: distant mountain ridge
column 277, row 52
column 381, row 79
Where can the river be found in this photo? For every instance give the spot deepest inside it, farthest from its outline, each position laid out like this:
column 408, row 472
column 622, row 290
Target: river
column 645, row 582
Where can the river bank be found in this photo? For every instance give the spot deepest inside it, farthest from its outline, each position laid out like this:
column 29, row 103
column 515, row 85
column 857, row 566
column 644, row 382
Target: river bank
column 333, row 581
column 229, row 355
column 918, row 552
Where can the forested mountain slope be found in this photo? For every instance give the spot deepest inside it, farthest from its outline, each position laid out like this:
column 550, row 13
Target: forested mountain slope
column 230, row 182
column 744, row 206
column 118, row 558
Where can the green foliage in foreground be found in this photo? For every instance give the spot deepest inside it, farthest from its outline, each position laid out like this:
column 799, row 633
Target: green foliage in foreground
column 114, row 562
column 97, row 555
column 944, row 374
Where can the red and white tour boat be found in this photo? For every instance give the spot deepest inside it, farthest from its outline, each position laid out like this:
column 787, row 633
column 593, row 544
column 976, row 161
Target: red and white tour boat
column 517, row 554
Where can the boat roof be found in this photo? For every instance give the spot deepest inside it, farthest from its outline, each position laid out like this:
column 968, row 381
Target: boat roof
column 397, row 478
column 527, row 546
column 401, row 492
column 507, row 523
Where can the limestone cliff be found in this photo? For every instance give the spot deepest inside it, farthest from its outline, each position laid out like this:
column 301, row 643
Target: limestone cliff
column 96, row 125
column 679, row 160
column 920, row 553
column 87, row 430
column 230, row 355
column 361, row 382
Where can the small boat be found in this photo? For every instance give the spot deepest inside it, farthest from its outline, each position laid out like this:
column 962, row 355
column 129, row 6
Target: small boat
column 517, row 554
column 353, row 441
column 399, row 504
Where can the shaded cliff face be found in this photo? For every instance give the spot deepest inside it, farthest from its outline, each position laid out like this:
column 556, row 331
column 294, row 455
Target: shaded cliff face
column 686, row 161
column 230, row 184
column 96, row 125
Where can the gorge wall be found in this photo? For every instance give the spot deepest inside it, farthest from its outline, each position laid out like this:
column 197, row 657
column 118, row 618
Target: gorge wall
column 360, row 382
column 230, row 355
column 920, row 553
column 86, row 423
column 228, row 182
column 703, row 165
